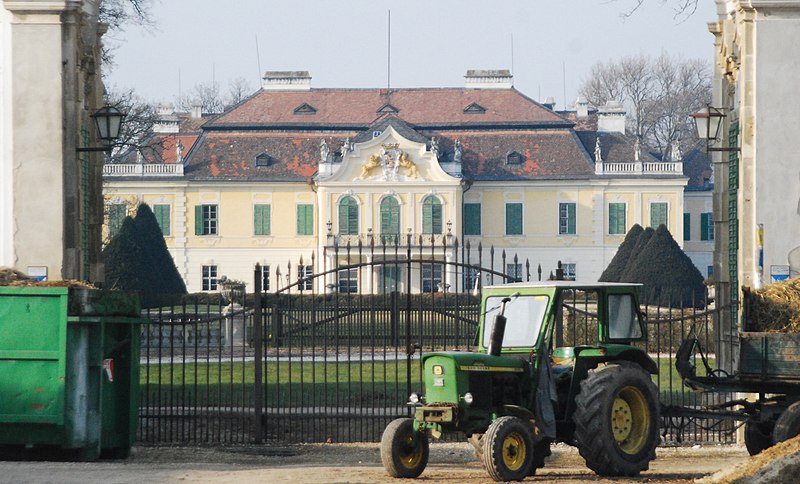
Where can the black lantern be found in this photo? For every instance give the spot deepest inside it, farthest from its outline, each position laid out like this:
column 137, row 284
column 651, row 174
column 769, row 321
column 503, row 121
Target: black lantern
column 108, row 121
column 708, row 122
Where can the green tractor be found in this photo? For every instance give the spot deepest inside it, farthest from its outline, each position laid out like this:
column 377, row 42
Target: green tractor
column 523, row 390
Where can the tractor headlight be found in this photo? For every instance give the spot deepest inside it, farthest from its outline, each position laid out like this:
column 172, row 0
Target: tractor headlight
column 413, row 398
column 468, row 398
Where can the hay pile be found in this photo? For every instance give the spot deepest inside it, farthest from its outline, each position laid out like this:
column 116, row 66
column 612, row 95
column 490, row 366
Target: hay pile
column 775, row 308
column 13, row 277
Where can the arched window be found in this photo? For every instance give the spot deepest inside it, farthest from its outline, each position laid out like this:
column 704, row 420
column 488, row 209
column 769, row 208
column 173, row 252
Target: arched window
column 431, row 215
column 348, row 216
column 390, row 220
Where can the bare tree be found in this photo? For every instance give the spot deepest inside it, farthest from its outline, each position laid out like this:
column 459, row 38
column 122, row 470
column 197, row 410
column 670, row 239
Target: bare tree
column 135, row 135
column 206, row 94
column 238, row 90
column 118, row 14
column 682, row 9
column 659, row 94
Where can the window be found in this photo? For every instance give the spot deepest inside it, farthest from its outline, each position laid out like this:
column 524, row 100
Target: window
column 658, row 214
column 616, row 219
column 710, row 271
column 566, row 218
column 262, row 222
column 305, row 219
column 265, row 278
column 514, row 271
column 472, row 219
column 431, row 215
column 389, row 278
column 513, row 219
column 116, row 215
column 471, row 279
column 390, row 220
column 209, row 278
column 514, row 158
column 524, row 316
column 375, row 134
column 623, row 322
column 687, row 226
column 262, row 160
column 569, row 271
column 162, row 217
column 706, row 226
column 305, row 276
column 348, row 216
column 205, row 220
column 348, row 280
column 431, row 277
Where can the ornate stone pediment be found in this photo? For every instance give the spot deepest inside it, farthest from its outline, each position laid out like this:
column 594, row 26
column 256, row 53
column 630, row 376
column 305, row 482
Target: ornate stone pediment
column 390, row 159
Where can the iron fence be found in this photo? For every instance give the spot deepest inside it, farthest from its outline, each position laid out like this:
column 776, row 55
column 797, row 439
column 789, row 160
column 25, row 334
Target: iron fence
column 332, row 355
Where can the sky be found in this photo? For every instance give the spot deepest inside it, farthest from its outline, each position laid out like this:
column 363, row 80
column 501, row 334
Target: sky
column 550, row 44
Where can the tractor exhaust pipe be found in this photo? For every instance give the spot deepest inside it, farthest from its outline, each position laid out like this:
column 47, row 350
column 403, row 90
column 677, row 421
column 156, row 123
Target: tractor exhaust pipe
column 498, row 330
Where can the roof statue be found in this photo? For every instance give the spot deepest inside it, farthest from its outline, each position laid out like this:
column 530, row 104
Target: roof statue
column 598, row 155
column 435, row 148
column 637, row 149
column 179, row 152
column 675, row 150
column 324, row 151
column 345, row 147
column 457, row 151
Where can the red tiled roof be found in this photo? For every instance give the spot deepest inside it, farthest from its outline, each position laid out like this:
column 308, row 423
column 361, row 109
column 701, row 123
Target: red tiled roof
column 433, row 106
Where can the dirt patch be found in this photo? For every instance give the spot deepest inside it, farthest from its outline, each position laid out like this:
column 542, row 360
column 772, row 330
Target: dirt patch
column 777, row 464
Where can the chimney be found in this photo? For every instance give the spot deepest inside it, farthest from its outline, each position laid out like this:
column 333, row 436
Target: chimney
column 286, row 81
column 166, row 119
column 549, row 103
column 581, row 108
column 611, row 118
column 197, row 110
column 489, row 79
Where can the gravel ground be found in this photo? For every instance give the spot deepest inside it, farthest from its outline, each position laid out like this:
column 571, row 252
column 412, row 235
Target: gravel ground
column 344, row 463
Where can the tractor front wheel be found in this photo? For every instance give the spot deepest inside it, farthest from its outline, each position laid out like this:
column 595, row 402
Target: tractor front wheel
column 404, row 450
column 758, row 436
column 508, row 449
column 616, row 419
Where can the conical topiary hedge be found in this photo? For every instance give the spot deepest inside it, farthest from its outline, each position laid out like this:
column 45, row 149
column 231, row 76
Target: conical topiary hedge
column 137, row 260
column 620, row 261
column 668, row 275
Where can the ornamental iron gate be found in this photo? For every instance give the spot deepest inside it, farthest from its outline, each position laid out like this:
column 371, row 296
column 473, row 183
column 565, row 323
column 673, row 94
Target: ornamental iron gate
column 340, row 339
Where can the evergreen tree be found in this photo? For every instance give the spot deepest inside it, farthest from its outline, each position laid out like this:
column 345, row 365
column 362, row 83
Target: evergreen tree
column 633, row 261
column 620, row 261
column 667, row 273
column 137, row 260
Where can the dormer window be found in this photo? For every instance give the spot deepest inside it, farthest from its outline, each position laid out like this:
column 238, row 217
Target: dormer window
column 306, row 109
column 375, row 134
column 263, row 159
column 387, row 108
column 514, row 158
column 474, row 108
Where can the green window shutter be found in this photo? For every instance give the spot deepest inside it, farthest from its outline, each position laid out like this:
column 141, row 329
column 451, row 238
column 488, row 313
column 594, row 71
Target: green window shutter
column 705, row 222
column 390, row 216
column 348, row 216
column 616, row 218
column 687, row 226
column 162, row 217
column 513, row 219
column 305, row 219
column 472, row 219
column 261, row 220
column 431, row 216
column 198, row 220
column 566, row 219
column 658, row 214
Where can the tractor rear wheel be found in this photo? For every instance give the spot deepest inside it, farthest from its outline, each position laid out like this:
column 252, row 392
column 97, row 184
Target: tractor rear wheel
column 508, row 449
column 616, row 419
column 758, row 436
column 788, row 424
column 404, row 451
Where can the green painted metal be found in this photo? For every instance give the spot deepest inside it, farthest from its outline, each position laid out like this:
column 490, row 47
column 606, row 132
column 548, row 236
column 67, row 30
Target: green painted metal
column 69, row 371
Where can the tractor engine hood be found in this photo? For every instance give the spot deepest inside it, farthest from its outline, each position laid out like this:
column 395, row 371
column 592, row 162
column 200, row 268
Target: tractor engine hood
column 448, row 376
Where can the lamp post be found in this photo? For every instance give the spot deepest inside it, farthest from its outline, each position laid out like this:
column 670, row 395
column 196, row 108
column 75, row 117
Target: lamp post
column 708, row 122
column 108, row 121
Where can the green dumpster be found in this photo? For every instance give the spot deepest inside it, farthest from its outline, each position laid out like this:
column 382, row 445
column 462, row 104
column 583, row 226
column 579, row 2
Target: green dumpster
column 69, row 370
